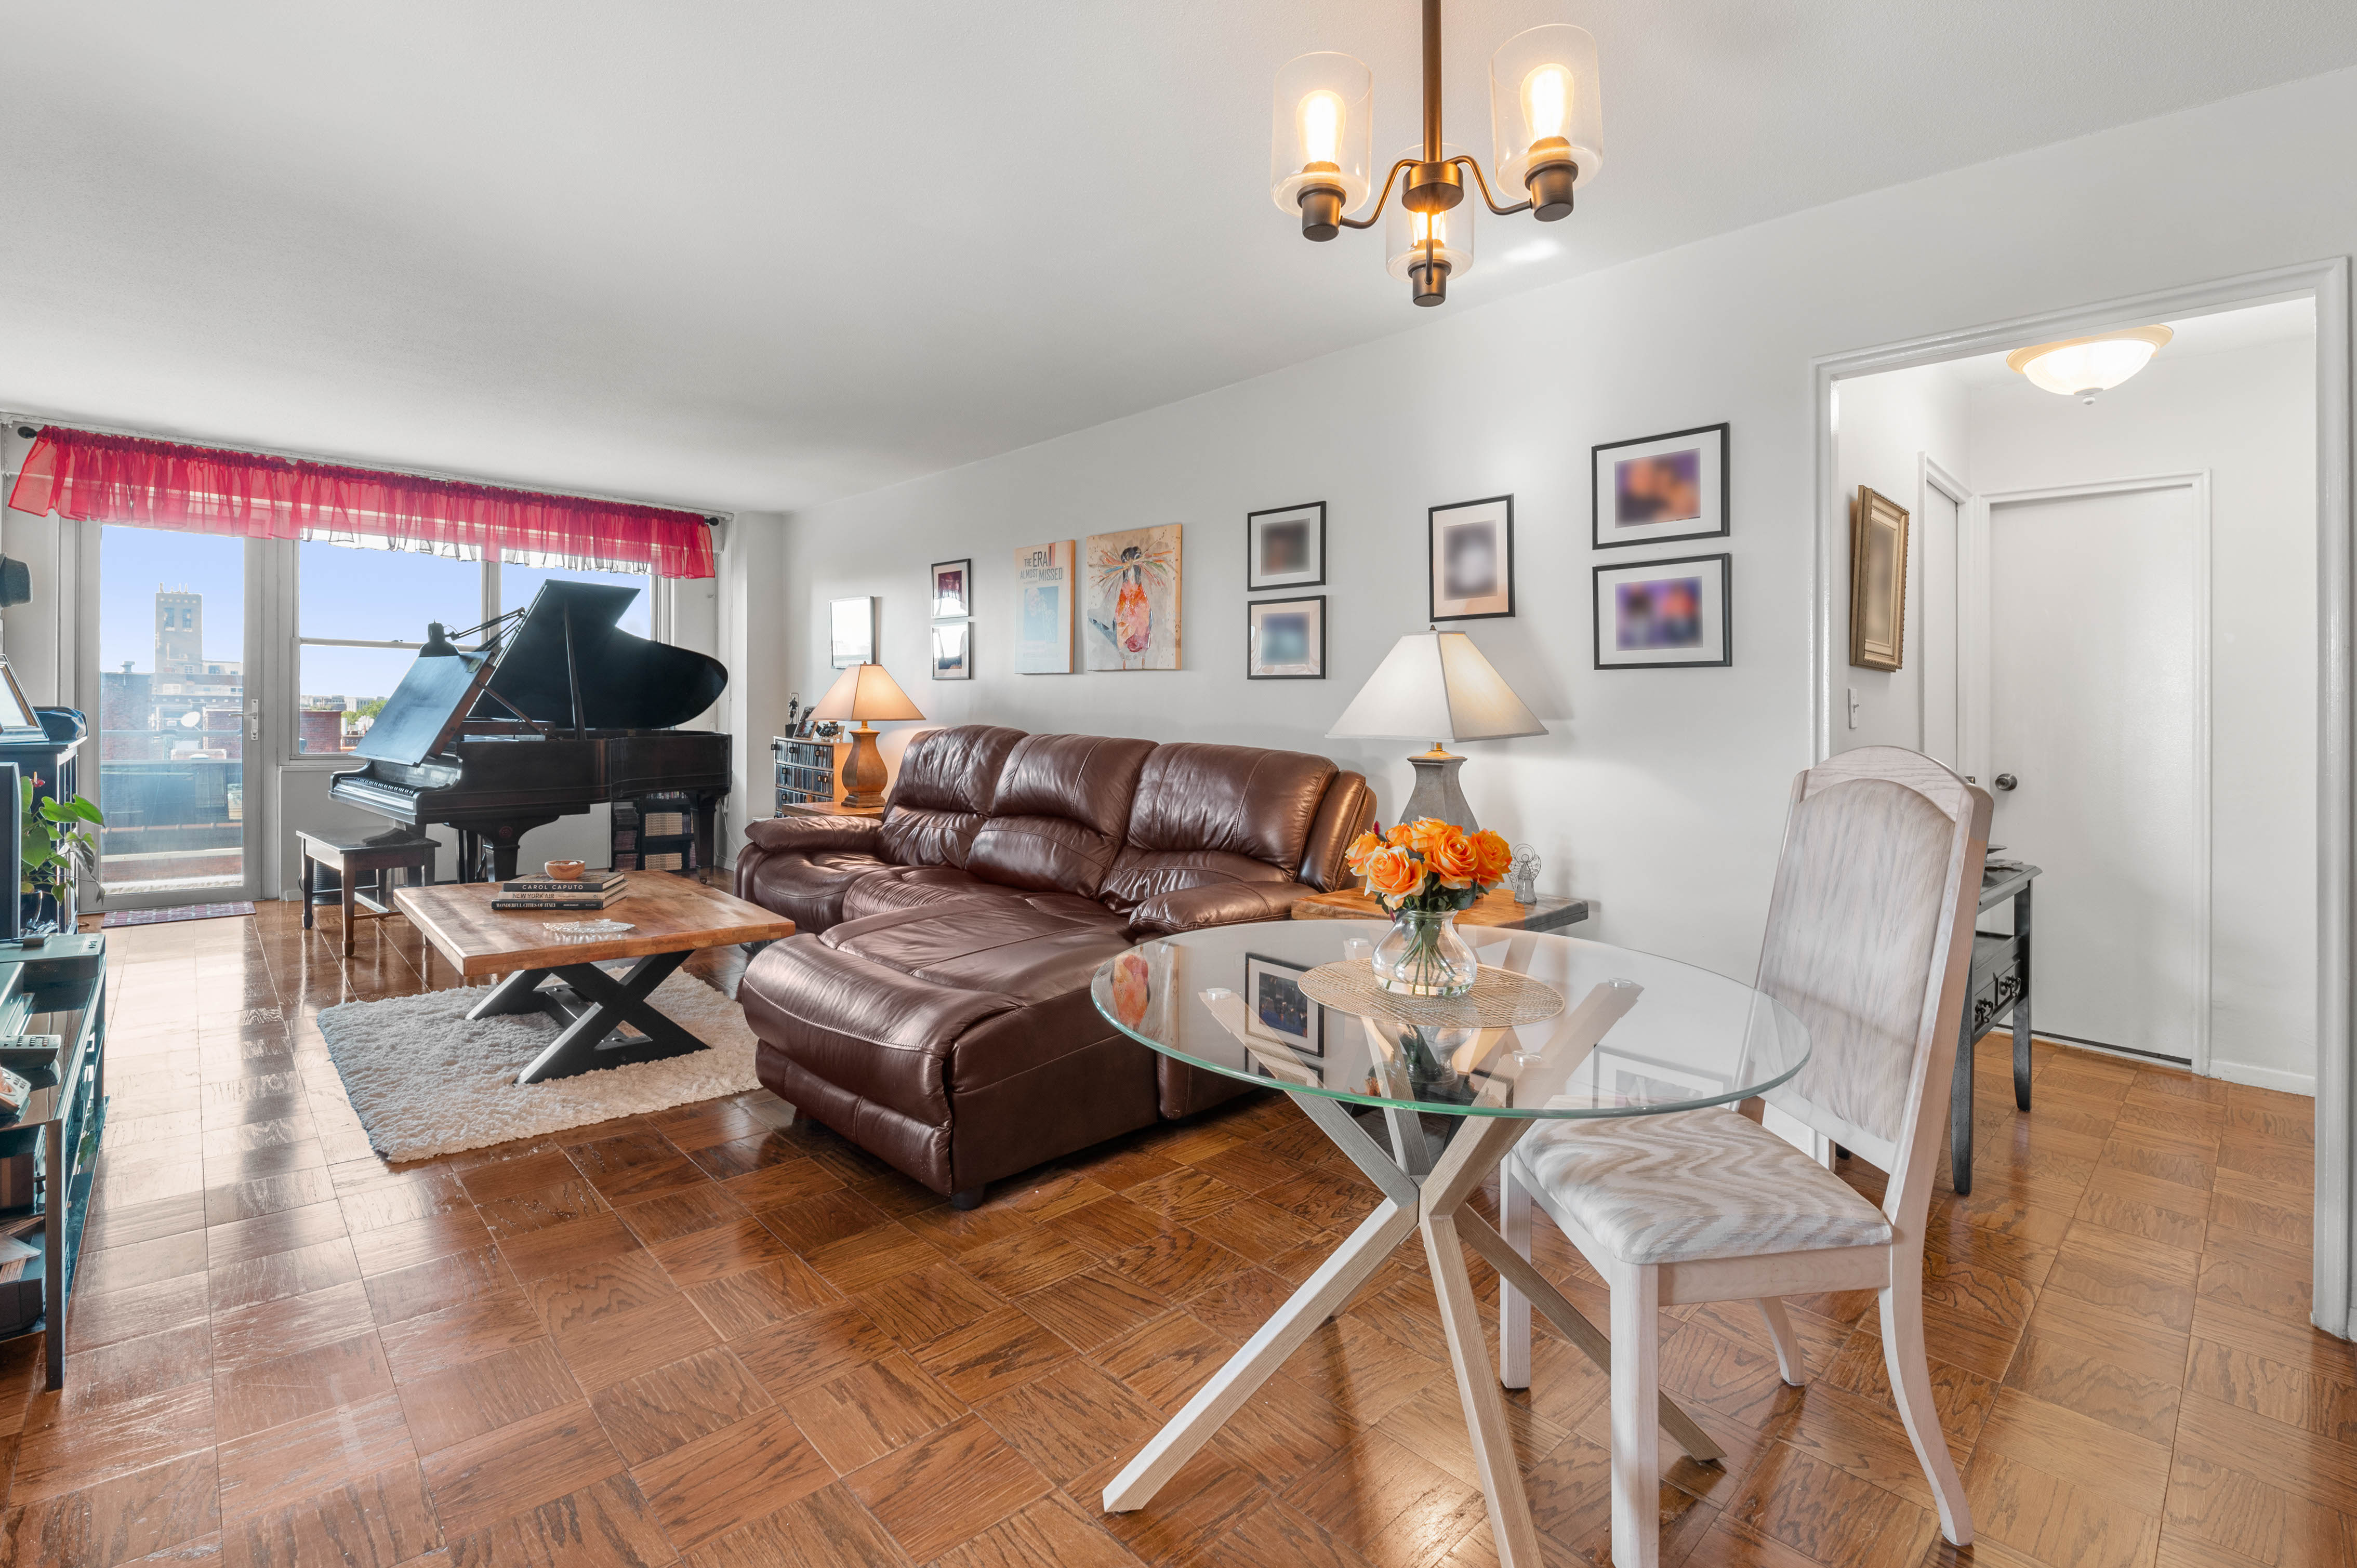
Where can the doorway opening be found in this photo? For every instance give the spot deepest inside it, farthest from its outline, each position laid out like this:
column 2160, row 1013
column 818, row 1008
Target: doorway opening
column 2129, row 619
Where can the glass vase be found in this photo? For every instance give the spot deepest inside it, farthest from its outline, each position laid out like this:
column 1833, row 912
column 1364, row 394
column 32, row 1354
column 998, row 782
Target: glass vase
column 1422, row 955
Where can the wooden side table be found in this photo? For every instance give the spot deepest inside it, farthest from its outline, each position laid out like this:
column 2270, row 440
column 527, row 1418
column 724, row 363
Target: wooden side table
column 349, row 857
column 826, row 808
column 1496, row 908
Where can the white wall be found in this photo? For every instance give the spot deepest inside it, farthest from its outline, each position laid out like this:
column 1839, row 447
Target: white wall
column 2247, row 416
column 751, row 629
column 1660, row 795
column 1884, row 426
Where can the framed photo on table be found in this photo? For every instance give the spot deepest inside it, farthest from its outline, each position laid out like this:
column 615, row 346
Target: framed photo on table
column 1472, row 565
column 1278, row 1010
column 1286, row 639
column 1664, row 615
column 1659, row 487
column 1285, row 547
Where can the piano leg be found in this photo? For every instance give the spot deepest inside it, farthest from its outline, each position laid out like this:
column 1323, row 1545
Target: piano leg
column 503, row 862
column 471, row 856
column 591, row 1006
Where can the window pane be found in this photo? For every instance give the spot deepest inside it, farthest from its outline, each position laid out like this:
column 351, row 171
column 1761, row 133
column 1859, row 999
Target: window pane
column 171, row 730
column 385, row 595
column 518, row 584
column 343, row 688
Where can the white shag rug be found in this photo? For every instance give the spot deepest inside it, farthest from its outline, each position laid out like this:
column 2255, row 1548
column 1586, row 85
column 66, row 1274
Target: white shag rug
column 426, row 1082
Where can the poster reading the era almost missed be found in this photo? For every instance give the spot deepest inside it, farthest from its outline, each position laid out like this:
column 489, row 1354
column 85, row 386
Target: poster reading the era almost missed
column 1043, row 609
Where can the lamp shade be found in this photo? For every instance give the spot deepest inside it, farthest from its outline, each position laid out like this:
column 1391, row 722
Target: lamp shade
column 1436, row 684
column 864, row 692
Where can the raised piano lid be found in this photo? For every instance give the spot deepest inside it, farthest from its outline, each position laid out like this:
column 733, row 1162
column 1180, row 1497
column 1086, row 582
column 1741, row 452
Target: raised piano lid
column 627, row 681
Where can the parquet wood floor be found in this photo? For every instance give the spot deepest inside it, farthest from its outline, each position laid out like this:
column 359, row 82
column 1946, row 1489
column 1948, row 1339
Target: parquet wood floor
column 718, row 1338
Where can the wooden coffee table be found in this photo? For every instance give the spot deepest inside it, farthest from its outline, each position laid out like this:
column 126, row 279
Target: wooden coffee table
column 672, row 915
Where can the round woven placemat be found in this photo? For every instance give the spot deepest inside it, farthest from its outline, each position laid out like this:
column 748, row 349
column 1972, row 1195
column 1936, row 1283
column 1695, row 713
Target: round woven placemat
column 1500, row 998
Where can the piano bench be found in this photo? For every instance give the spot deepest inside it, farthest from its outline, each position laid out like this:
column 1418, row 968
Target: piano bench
column 350, row 858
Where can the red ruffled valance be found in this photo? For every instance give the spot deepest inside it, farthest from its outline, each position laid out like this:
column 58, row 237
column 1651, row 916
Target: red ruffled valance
column 203, row 490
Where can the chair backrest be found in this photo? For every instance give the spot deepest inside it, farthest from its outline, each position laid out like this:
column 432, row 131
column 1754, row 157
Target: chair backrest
column 1869, row 942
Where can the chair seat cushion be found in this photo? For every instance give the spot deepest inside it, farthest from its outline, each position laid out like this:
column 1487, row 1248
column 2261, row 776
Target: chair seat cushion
column 1691, row 1185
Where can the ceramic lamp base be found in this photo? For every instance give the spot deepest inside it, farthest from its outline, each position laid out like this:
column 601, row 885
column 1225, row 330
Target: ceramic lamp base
column 864, row 773
column 1435, row 794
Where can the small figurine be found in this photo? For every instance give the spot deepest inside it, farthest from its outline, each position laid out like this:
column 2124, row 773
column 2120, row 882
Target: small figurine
column 1522, row 872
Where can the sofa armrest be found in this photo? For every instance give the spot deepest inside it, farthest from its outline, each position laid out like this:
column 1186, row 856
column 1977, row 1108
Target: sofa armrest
column 853, row 835
column 1219, row 904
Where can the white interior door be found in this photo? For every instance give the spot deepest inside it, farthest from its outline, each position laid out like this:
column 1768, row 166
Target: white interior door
column 2098, row 677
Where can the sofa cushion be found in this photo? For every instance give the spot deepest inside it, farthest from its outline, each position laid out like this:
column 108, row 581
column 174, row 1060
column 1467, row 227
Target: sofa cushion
column 807, row 886
column 943, row 792
column 1204, row 815
column 1030, row 948
column 913, row 887
column 1058, row 816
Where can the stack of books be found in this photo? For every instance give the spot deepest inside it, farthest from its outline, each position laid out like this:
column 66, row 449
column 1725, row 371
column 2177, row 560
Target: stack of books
column 593, row 890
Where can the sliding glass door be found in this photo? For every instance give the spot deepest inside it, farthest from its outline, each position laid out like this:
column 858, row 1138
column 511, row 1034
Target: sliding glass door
column 174, row 739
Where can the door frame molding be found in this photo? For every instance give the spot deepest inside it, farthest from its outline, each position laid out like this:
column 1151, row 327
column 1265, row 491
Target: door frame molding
column 1975, row 703
column 1931, row 479
column 2326, row 282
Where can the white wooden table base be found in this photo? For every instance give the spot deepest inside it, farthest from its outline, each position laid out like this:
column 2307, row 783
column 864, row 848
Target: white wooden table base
column 1433, row 1201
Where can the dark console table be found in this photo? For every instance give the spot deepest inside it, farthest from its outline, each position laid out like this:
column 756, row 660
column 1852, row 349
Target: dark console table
column 1999, row 988
column 53, row 993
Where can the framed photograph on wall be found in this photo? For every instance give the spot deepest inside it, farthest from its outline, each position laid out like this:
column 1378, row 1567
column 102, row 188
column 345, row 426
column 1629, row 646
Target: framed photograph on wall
column 1286, row 639
column 1877, row 582
column 1132, row 598
column 1472, row 566
column 1659, row 487
column 1276, row 1009
column 1664, row 615
column 952, row 590
column 1285, row 547
column 1044, row 590
column 851, row 631
column 952, row 651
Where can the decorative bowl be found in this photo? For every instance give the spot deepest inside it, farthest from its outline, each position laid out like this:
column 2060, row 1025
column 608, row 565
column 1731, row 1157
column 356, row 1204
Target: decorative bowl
column 564, row 870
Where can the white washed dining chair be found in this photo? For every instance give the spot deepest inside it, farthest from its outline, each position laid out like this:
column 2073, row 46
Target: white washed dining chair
column 1869, row 944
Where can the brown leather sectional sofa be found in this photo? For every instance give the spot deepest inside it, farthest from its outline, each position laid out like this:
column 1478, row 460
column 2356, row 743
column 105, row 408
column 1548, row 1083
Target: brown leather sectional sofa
column 933, row 1007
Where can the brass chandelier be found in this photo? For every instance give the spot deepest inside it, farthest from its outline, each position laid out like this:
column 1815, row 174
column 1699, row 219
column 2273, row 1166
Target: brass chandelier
column 1547, row 122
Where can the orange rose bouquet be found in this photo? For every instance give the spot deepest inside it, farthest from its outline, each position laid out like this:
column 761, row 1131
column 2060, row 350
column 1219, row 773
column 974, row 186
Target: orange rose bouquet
column 1429, row 865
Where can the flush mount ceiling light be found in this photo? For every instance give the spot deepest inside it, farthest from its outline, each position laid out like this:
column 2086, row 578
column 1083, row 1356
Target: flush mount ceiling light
column 1546, row 123
column 2082, row 367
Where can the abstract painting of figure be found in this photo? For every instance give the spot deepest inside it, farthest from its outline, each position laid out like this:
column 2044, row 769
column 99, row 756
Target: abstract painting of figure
column 1132, row 598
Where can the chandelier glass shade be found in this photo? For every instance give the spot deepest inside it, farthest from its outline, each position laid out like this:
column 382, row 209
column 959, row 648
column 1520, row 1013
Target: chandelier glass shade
column 1547, row 122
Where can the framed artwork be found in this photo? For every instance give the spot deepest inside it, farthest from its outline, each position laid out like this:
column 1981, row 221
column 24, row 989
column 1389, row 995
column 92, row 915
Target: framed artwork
column 1286, row 639
column 1132, row 598
column 952, row 589
column 1661, row 615
column 1276, row 1008
column 952, row 651
column 1877, row 582
column 1473, row 546
column 1285, row 547
column 1659, row 487
column 851, row 631
column 1044, row 593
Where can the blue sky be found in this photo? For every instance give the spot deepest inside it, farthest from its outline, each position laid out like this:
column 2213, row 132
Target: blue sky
column 346, row 592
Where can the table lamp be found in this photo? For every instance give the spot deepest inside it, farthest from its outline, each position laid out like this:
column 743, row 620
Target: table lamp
column 1435, row 682
column 863, row 693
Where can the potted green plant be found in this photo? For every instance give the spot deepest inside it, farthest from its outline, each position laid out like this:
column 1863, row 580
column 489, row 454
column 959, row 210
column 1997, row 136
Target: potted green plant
column 59, row 838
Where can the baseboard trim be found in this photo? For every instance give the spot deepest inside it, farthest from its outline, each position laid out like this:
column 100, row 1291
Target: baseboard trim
column 2302, row 1083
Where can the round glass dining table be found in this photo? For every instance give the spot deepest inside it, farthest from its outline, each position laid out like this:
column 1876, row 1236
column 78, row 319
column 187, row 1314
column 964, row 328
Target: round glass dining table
column 1633, row 1035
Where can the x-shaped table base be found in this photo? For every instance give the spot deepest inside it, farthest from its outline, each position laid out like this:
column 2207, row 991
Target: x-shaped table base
column 1419, row 1193
column 592, row 1005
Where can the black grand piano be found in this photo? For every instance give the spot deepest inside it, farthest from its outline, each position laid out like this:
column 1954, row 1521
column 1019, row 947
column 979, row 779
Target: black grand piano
column 559, row 711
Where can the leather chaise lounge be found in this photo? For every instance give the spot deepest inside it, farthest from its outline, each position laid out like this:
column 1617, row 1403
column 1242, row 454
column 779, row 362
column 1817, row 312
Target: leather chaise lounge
column 933, row 1007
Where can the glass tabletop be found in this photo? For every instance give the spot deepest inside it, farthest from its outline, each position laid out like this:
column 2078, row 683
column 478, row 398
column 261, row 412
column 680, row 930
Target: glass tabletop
column 1637, row 1035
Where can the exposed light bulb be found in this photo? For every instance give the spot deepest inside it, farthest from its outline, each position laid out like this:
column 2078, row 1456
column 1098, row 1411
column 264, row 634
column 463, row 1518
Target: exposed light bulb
column 1429, row 229
column 1321, row 127
column 1546, row 102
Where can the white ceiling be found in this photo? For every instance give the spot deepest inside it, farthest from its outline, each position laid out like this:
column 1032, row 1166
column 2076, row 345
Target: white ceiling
column 759, row 255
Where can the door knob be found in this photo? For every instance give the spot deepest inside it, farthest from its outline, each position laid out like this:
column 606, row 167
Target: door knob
column 2005, row 781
